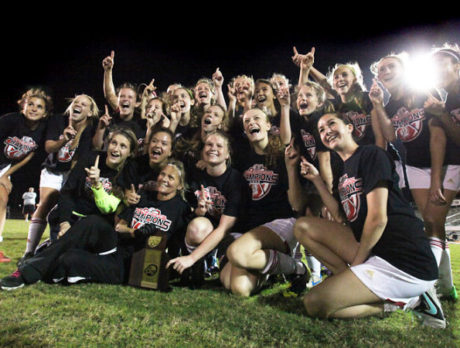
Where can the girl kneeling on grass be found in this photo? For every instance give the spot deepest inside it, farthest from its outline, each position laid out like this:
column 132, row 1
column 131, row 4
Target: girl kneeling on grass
column 381, row 255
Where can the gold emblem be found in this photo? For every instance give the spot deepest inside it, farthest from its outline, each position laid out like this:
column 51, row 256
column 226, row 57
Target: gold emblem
column 154, row 241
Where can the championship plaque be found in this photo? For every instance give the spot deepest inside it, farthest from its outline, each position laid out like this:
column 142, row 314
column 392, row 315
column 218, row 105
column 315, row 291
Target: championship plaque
column 148, row 265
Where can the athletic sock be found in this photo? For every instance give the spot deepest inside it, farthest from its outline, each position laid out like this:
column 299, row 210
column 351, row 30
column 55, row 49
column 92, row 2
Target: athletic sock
column 313, row 264
column 280, row 263
column 437, row 247
column 445, row 270
column 36, row 229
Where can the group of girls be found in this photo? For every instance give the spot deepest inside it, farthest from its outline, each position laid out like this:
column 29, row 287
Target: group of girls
column 252, row 179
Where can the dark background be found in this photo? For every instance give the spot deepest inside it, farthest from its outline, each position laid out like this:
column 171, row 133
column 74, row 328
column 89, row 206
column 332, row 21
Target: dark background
column 64, row 52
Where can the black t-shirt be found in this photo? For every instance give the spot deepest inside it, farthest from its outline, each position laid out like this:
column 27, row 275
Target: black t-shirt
column 136, row 124
column 62, row 160
column 453, row 108
column 76, row 195
column 170, row 217
column 305, row 132
column 359, row 112
column 18, row 140
column 265, row 189
column 411, row 127
column 225, row 192
column 403, row 242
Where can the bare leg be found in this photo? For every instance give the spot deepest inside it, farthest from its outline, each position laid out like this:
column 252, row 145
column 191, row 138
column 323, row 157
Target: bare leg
column 330, row 242
column 3, row 204
column 342, row 296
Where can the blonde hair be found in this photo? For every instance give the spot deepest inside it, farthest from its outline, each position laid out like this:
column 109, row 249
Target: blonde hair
column 402, row 57
column 354, row 68
column 93, row 106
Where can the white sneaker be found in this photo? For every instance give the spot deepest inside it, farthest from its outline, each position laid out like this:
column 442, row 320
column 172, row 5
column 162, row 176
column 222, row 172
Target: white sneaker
column 314, row 280
column 429, row 311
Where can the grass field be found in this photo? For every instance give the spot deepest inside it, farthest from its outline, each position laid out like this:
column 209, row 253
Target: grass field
column 105, row 315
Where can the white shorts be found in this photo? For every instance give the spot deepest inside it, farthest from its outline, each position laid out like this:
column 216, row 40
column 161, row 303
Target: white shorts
column 54, row 180
column 390, row 283
column 420, row 178
column 284, row 228
column 400, row 171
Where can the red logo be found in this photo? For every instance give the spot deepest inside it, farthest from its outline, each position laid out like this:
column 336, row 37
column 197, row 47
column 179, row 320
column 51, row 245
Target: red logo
column 150, row 215
column 408, row 124
column 350, row 190
column 260, row 180
column 216, row 197
column 360, row 122
column 65, row 154
column 309, row 143
column 17, row 148
column 106, row 184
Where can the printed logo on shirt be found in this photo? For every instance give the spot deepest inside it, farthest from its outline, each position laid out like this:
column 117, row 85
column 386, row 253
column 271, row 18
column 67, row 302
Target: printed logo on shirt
column 150, row 215
column 260, row 180
column 18, row 148
column 106, row 184
column 350, row 190
column 455, row 115
column 408, row 124
column 360, row 122
column 65, row 154
column 309, row 143
column 216, row 197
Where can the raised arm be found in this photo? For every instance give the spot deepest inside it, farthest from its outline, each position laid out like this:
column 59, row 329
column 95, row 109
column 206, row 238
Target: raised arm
column 218, row 80
column 108, row 86
column 379, row 115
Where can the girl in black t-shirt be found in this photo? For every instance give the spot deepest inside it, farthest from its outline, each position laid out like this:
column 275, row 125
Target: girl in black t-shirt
column 68, row 137
column 382, row 240
column 267, row 244
column 22, row 137
column 216, row 194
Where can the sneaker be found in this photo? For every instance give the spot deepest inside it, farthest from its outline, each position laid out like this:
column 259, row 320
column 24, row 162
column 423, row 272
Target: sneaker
column 262, row 281
column 446, row 293
column 429, row 311
column 3, row 258
column 314, row 280
column 26, row 256
column 13, row 281
column 1, row 239
column 299, row 281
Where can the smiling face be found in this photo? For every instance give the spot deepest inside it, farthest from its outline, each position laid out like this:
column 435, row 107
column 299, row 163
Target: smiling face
column 447, row 70
column 215, row 150
column 390, row 72
column 119, row 149
column 126, row 102
column 343, row 80
column 160, row 148
column 256, row 126
column 307, row 101
column 80, row 109
column 203, row 94
column 182, row 97
column 244, row 88
column 264, row 95
column 154, row 108
column 334, row 132
column 212, row 119
column 168, row 182
column 34, row 109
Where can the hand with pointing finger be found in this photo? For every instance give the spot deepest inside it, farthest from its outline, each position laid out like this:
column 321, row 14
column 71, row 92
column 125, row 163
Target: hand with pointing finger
column 218, row 78
column 434, row 106
column 308, row 170
column 109, row 61
column 93, row 173
column 131, row 196
column 104, row 120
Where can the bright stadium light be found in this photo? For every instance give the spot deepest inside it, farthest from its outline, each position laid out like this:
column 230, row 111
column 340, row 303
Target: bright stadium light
column 421, row 72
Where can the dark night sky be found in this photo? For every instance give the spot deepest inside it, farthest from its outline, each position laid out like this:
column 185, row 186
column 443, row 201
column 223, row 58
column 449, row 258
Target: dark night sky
column 64, row 53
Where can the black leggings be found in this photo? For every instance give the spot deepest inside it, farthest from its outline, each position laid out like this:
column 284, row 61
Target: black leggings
column 87, row 250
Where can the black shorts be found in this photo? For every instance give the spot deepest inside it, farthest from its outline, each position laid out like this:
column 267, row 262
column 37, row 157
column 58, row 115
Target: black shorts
column 28, row 209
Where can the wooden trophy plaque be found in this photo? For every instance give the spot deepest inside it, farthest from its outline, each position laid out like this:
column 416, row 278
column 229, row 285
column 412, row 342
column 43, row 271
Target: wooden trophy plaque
column 148, row 265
